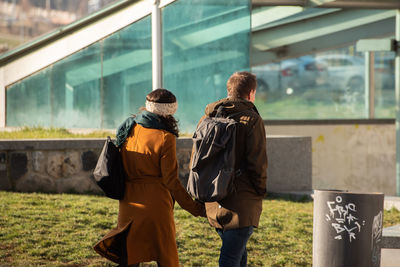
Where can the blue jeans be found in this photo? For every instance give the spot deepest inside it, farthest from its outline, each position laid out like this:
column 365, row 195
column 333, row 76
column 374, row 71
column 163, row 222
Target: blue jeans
column 233, row 250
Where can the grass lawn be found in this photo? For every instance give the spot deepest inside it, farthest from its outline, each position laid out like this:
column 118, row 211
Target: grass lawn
column 42, row 133
column 60, row 230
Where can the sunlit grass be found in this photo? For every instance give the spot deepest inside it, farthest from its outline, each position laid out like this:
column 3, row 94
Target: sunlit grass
column 43, row 133
column 60, row 230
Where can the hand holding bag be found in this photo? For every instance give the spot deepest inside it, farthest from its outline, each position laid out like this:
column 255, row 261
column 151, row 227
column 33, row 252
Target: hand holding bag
column 109, row 172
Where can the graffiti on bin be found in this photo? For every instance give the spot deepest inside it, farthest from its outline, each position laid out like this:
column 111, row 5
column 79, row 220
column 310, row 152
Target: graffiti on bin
column 343, row 220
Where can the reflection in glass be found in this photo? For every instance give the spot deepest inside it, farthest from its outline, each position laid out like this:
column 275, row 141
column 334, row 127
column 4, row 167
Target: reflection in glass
column 97, row 87
column 385, row 101
column 126, row 72
column 326, row 85
column 29, row 101
column 76, row 82
column 204, row 42
column 309, row 72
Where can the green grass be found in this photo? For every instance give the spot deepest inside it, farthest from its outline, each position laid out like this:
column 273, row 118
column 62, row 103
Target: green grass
column 60, row 230
column 42, row 133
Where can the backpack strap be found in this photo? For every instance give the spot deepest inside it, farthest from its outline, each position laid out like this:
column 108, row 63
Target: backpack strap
column 220, row 112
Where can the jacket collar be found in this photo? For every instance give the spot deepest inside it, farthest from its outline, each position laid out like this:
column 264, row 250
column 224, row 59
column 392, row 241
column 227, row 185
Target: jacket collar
column 231, row 105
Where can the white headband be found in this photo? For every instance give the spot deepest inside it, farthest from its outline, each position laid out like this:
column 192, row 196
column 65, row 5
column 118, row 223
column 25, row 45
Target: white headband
column 163, row 109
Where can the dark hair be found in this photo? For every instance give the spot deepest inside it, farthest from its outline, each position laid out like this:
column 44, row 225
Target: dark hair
column 162, row 95
column 240, row 84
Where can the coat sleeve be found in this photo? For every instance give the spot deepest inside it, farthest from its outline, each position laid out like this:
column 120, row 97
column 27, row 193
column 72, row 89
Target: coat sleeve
column 169, row 170
column 256, row 156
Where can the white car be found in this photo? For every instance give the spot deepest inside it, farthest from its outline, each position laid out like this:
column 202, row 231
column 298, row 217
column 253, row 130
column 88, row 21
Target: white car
column 345, row 72
column 290, row 76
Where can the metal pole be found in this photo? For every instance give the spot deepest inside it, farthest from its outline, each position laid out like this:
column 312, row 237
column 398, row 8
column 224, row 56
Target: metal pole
column 397, row 90
column 367, row 84
column 2, row 100
column 156, row 44
column 371, row 89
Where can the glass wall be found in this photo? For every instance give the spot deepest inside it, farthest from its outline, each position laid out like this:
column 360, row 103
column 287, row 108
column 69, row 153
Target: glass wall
column 384, row 71
column 328, row 85
column 204, row 42
column 304, row 72
column 97, row 87
column 319, row 74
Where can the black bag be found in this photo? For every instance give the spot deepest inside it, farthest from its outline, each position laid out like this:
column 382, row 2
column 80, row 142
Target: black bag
column 109, row 172
column 212, row 169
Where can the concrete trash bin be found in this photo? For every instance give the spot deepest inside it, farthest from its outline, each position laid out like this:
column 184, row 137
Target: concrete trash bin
column 347, row 229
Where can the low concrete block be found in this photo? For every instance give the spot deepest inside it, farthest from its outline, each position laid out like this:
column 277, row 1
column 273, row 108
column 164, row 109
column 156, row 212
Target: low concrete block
column 82, row 183
column 18, row 165
column 289, row 164
column 391, row 237
column 4, row 181
column 66, row 165
column 89, row 160
column 36, row 183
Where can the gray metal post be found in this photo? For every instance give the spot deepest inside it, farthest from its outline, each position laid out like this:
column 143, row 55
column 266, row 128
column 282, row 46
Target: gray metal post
column 369, row 85
column 156, row 44
column 397, row 90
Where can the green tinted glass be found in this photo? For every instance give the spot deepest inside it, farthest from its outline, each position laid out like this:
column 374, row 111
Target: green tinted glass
column 384, row 77
column 327, row 85
column 29, row 101
column 204, row 42
column 126, row 72
column 76, row 85
column 97, row 87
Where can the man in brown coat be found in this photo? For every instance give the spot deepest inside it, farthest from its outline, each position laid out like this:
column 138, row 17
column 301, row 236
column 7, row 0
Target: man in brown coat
column 235, row 216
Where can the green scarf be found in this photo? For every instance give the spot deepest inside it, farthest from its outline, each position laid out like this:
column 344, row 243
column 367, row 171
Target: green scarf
column 146, row 119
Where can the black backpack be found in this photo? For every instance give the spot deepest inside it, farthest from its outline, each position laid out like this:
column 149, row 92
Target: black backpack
column 212, row 170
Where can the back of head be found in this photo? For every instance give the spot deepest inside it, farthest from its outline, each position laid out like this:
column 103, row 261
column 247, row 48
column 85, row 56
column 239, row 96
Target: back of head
column 163, row 103
column 240, row 84
column 161, row 95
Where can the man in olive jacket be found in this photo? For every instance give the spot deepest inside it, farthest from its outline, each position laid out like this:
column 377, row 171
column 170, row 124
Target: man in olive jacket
column 235, row 216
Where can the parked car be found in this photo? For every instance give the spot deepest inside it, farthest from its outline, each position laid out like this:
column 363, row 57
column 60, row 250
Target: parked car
column 290, row 76
column 345, row 72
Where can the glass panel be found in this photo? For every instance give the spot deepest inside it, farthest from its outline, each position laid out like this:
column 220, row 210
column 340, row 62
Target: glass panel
column 204, row 42
column 318, row 86
column 76, row 83
column 313, row 73
column 127, row 72
column 28, row 101
column 96, row 87
column 385, row 101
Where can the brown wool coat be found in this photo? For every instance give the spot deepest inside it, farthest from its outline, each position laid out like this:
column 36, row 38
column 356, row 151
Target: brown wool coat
column 145, row 218
column 243, row 208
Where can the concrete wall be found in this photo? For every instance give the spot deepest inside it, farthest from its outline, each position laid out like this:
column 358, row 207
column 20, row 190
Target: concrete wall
column 64, row 166
column 349, row 156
